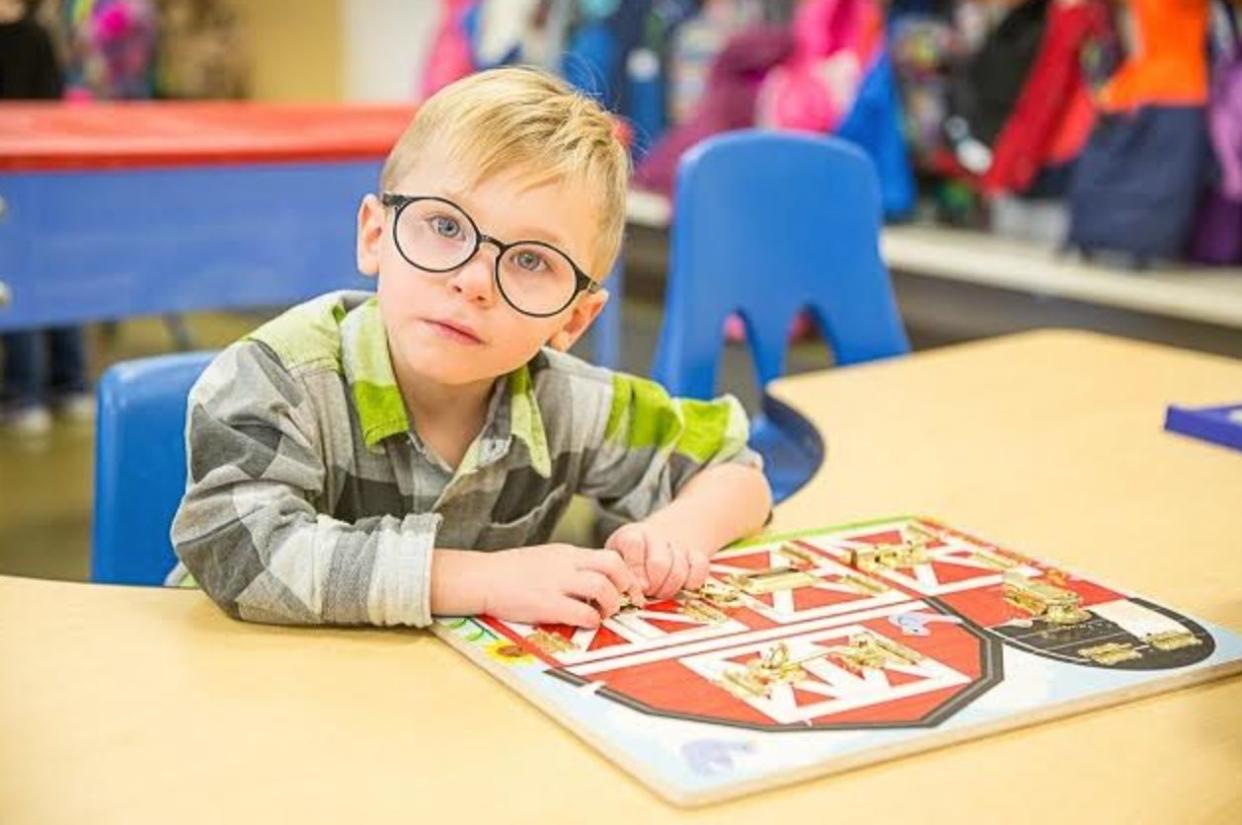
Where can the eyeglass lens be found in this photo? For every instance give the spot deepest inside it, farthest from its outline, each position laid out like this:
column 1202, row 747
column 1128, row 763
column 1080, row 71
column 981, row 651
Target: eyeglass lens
column 436, row 236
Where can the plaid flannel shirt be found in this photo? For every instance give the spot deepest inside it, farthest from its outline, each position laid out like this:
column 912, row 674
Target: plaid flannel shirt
column 310, row 498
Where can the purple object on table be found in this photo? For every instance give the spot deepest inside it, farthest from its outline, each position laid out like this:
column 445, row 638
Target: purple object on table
column 1220, row 425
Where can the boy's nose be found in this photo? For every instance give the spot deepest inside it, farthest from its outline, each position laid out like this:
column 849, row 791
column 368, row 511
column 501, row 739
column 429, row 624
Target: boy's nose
column 475, row 280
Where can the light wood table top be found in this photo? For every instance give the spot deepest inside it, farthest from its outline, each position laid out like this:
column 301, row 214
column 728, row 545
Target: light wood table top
column 133, row 705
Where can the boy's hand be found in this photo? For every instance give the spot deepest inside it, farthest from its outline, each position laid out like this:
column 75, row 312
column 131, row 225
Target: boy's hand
column 661, row 563
column 556, row 584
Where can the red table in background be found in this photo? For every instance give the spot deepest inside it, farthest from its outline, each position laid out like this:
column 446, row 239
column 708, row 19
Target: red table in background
column 119, row 209
column 109, row 210
column 39, row 137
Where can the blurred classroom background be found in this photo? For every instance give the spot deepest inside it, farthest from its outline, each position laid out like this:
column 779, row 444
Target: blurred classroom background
column 1073, row 163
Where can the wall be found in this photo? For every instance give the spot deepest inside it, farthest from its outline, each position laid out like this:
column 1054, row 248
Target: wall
column 324, row 50
column 295, row 47
column 384, row 46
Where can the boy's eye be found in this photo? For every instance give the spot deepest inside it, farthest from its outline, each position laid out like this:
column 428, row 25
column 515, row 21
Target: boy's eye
column 530, row 261
column 445, row 227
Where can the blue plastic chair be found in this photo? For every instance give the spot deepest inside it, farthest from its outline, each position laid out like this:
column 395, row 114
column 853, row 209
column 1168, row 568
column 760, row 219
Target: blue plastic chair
column 140, row 465
column 767, row 224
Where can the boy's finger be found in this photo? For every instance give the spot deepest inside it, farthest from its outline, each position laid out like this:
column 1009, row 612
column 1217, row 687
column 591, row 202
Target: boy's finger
column 596, row 588
column 698, row 571
column 629, row 581
column 659, row 565
column 571, row 611
column 615, row 568
column 621, row 541
column 633, row 548
column 677, row 574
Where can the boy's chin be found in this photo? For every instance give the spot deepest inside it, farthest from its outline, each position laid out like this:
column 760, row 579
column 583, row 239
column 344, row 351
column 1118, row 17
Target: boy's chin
column 448, row 375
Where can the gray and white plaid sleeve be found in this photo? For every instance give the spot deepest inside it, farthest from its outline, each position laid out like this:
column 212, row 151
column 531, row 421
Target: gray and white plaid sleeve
column 652, row 444
column 249, row 530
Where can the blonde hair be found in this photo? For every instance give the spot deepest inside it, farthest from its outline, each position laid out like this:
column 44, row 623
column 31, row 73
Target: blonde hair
column 524, row 118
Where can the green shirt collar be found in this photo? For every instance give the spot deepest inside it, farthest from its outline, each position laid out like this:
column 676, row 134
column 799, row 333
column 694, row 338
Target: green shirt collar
column 381, row 409
column 525, row 421
column 368, row 371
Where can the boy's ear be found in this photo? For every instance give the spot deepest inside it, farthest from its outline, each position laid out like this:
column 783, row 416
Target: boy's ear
column 370, row 235
column 580, row 318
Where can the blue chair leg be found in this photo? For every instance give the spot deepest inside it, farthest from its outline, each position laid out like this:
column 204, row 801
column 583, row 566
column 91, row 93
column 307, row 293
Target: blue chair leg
column 791, row 447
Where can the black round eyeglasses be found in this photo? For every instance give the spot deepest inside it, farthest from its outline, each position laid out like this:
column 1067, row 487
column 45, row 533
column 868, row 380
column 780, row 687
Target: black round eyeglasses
column 436, row 235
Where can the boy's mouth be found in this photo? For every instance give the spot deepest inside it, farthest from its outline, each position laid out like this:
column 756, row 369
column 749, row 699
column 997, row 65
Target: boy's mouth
column 454, row 331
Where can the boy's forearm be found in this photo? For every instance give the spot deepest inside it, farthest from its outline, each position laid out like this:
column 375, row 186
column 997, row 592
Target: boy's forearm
column 458, row 583
column 719, row 505
column 312, row 569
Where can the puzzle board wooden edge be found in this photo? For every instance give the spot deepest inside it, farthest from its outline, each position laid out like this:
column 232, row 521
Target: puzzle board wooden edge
column 899, row 636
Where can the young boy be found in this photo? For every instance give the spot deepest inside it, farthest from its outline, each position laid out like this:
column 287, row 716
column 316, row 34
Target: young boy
column 349, row 459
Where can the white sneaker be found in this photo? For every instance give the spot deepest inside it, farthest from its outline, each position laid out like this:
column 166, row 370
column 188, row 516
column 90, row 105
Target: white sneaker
column 78, row 407
column 27, row 421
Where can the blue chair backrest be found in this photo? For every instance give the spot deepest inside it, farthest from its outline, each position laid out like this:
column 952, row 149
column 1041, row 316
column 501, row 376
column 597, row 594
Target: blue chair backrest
column 140, row 465
column 766, row 224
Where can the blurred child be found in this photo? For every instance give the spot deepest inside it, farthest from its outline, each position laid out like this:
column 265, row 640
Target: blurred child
column 43, row 369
